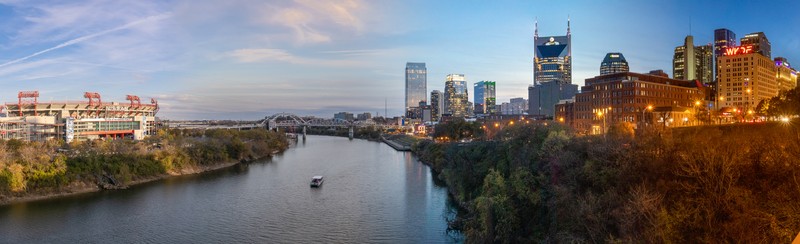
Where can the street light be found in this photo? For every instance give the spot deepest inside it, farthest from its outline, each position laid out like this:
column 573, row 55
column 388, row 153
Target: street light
column 649, row 108
column 600, row 114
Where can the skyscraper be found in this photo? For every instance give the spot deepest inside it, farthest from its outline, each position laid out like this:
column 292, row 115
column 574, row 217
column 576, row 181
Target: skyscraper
column 723, row 39
column 552, row 60
column 759, row 42
column 437, row 105
column 692, row 62
column 416, row 87
column 613, row 63
column 456, row 97
column 552, row 73
column 484, row 97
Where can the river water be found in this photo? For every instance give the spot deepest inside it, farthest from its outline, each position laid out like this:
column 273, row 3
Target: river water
column 371, row 193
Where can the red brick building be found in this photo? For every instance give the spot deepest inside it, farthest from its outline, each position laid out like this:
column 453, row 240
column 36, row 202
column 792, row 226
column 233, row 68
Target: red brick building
column 625, row 97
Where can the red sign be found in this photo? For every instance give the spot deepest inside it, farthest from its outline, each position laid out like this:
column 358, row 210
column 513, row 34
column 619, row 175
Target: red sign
column 738, row 50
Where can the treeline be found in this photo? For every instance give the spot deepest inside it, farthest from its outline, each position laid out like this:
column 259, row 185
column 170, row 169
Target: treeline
column 27, row 167
column 537, row 183
column 786, row 103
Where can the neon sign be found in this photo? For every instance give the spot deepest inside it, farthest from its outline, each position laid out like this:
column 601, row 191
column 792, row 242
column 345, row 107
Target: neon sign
column 738, row 50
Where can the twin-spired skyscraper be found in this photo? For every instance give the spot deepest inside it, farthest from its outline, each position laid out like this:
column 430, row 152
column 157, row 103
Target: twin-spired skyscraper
column 552, row 73
column 416, row 88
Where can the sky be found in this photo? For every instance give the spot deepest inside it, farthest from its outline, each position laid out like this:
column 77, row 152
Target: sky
column 247, row 59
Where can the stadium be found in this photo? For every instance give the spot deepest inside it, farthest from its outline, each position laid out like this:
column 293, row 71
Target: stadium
column 32, row 120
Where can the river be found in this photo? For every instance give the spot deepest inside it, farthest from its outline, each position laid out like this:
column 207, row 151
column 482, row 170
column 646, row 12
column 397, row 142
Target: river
column 371, row 193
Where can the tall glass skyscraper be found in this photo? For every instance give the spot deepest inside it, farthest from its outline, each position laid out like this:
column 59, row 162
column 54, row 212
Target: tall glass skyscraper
column 723, row 39
column 552, row 73
column 552, row 60
column 456, row 96
column 437, row 105
column 485, row 99
column 759, row 42
column 416, row 87
column 613, row 63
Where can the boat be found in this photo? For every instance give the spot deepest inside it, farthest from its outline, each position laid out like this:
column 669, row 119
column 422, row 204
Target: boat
column 316, row 181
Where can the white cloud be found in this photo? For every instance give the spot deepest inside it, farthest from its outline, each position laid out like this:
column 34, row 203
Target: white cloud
column 254, row 55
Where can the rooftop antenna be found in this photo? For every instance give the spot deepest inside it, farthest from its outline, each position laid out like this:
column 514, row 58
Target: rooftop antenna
column 568, row 25
column 385, row 113
column 690, row 25
column 536, row 28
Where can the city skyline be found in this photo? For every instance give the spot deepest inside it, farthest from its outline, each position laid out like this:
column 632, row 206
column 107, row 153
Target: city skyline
column 248, row 59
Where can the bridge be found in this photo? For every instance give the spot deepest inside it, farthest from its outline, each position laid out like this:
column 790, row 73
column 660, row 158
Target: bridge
column 288, row 120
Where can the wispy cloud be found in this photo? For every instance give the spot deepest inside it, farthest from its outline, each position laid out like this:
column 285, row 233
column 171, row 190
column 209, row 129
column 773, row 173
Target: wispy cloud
column 253, row 55
column 315, row 21
column 87, row 37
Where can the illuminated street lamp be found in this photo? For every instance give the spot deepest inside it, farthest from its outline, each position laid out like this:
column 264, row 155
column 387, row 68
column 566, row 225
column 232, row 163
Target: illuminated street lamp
column 649, row 108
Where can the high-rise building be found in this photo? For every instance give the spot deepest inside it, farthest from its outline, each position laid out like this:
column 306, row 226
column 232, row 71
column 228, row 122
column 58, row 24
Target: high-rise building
column 437, row 105
column 613, row 63
column 484, row 97
column 416, row 86
column 785, row 74
column 723, row 39
column 745, row 78
column 552, row 73
column 552, row 60
column 456, row 96
column 692, row 62
column 759, row 42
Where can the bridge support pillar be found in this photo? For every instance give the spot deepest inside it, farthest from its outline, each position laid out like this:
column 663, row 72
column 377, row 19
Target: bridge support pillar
column 350, row 133
column 304, row 133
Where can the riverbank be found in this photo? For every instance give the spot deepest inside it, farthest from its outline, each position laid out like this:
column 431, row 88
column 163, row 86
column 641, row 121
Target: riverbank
column 90, row 167
column 537, row 183
column 78, row 188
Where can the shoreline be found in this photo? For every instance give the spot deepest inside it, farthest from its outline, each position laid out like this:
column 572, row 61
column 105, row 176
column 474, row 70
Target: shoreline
column 79, row 188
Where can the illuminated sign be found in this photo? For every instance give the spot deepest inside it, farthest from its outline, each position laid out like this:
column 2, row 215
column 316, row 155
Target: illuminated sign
column 614, row 56
column 731, row 51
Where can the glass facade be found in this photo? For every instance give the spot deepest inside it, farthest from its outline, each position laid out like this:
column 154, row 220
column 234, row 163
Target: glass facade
column 759, row 42
column 437, row 105
column 552, row 60
column 613, row 63
column 485, row 99
column 456, row 96
column 416, row 86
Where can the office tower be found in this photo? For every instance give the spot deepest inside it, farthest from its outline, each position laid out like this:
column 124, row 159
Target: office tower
column 723, row 39
column 416, row 87
column 785, row 74
column 456, row 96
column 613, row 63
column 692, row 62
column 552, row 73
column 743, row 90
column 759, row 42
column 437, row 105
column 484, row 97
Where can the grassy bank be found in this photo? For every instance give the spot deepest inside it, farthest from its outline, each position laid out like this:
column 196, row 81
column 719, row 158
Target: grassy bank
column 536, row 183
column 35, row 170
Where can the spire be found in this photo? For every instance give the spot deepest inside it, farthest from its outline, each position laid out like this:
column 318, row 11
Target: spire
column 536, row 28
column 568, row 25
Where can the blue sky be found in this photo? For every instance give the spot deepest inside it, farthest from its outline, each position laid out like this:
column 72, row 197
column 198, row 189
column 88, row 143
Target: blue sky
column 245, row 59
